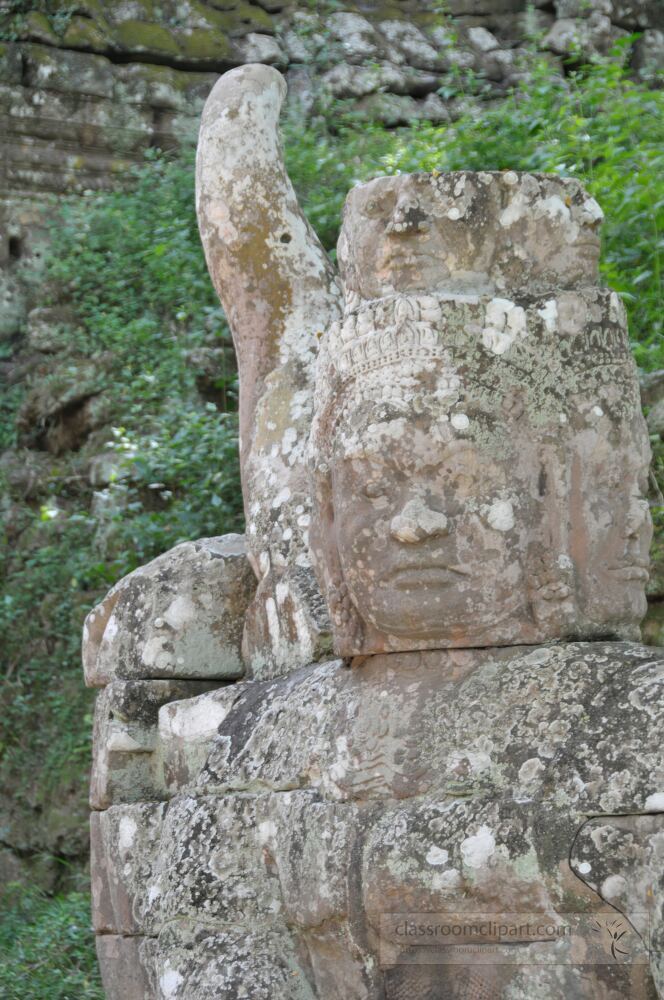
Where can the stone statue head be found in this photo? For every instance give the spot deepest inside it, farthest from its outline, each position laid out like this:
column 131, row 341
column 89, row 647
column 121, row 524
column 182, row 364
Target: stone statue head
column 478, row 452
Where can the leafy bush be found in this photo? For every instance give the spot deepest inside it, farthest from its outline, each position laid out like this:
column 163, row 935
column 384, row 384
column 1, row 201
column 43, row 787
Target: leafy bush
column 45, row 947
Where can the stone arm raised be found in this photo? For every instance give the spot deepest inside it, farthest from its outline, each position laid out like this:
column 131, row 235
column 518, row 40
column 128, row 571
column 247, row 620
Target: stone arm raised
column 275, row 281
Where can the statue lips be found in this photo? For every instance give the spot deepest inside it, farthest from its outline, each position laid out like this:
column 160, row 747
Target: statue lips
column 631, row 571
column 433, row 575
column 403, row 251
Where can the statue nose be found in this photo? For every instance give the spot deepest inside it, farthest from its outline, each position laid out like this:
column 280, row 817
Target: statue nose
column 636, row 516
column 417, row 522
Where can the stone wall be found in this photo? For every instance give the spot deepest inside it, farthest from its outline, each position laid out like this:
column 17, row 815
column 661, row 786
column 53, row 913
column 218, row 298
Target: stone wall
column 83, row 97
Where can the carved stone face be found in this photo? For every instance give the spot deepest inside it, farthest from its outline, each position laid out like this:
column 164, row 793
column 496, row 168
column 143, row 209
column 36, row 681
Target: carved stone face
column 463, row 232
column 432, row 532
column 478, row 445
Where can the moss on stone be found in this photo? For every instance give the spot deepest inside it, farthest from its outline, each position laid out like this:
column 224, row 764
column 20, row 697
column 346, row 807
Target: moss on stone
column 84, row 33
column 205, row 46
column 11, row 68
column 37, row 25
column 253, row 18
column 143, row 37
column 242, row 19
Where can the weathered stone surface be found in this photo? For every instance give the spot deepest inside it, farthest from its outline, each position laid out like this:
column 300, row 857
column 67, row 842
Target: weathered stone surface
column 210, row 868
column 181, row 615
column 44, row 328
column 124, row 766
column 589, row 36
column 186, row 730
column 478, row 461
column 124, row 965
column 70, row 72
column 197, row 962
column 376, row 730
column 434, row 396
column 622, row 859
column 407, row 44
column 124, row 843
column 286, row 624
column 252, row 226
column 355, row 33
column 448, row 783
column 648, row 56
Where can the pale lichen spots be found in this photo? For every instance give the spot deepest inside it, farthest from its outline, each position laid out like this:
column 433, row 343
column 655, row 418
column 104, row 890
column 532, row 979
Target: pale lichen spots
column 282, row 497
column 460, row 421
column 437, row 855
column 555, row 208
column 499, row 515
column 170, row 982
column 127, row 830
column 549, row 313
column 479, row 848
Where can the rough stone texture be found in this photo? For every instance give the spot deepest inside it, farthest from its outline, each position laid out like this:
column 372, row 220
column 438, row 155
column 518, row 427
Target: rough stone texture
column 181, row 616
column 123, row 845
column 125, row 767
column 450, row 783
column 279, row 292
column 123, row 961
column 479, row 386
column 478, row 460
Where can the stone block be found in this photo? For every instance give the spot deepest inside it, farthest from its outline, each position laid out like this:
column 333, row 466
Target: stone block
column 210, row 866
column 181, row 615
column 162, row 86
column 11, row 64
column 648, row 56
column 286, row 625
column 405, row 43
column 125, row 967
column 193, row 961
column 44, row 328
column 355, row 33
column 68, row 72
column 187, row 730
column 125, row 767
column 257, row 48
column 124, row 843
column 591, row 35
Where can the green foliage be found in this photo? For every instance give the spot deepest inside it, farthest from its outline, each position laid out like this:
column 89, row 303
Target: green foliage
column 131, row 268
column 38, row 936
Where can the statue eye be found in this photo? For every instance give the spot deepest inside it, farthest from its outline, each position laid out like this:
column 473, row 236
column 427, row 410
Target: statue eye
column 371, row 207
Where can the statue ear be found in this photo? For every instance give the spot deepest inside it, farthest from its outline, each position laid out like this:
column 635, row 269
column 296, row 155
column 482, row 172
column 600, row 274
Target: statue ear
column 346, row 269
column 347, row 625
